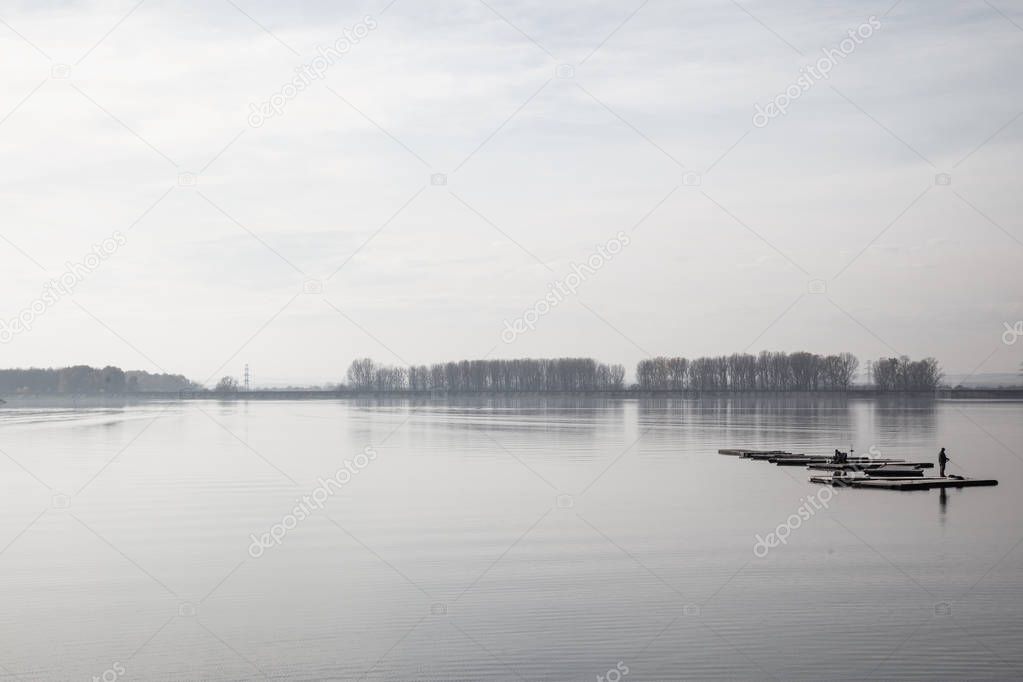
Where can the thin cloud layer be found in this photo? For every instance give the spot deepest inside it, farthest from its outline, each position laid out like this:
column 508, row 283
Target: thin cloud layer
column 461, row 156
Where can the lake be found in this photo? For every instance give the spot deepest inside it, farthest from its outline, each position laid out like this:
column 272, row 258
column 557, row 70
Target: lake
column 503, row 539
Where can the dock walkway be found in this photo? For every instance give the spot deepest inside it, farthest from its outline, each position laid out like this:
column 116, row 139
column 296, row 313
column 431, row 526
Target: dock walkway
column 862, row 472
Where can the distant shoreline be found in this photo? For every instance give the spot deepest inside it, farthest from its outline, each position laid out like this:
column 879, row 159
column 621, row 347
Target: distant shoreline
column 1006, row 393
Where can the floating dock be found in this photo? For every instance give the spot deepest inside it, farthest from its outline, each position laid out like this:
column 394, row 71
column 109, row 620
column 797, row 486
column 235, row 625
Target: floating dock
column 852, row 463
column 862, row 472
column 869, row 466
column 740, row 452
column 918, row 483
column 882, row 470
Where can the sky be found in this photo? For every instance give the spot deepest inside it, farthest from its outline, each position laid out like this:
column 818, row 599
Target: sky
column 457, row 162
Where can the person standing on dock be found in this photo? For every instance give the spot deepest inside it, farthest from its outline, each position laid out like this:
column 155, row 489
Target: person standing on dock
column 942, row 460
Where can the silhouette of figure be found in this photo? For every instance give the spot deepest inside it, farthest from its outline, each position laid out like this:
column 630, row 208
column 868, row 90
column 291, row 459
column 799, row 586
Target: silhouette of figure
column 942, row 460
column 840, row 457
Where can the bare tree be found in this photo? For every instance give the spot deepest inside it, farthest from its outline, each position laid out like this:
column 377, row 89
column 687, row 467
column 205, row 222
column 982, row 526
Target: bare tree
column 903, row 374
column 227, row 385
column 616, row 377
column 361, row 374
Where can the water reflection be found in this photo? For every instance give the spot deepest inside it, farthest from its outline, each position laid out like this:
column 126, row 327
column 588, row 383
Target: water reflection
column 463, row 505
column 801, row 422
column 907, row 417
column 531, row 427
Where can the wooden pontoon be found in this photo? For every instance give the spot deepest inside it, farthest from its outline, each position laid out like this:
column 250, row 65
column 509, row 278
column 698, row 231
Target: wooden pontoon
column 916, row 483
column 873, row 464
column 862, row 472
column 741, row 452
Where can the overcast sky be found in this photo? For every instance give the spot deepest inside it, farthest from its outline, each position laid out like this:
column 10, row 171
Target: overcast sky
column 557, row 125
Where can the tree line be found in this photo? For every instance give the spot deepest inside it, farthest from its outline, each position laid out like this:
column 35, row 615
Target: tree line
column 534, row 375
column 903, row 374
column 768, row 371
column 82, row 379
column 778, row 371
column 739, row 372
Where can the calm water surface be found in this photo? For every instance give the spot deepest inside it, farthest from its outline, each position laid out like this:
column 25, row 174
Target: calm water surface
column 502, row 539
